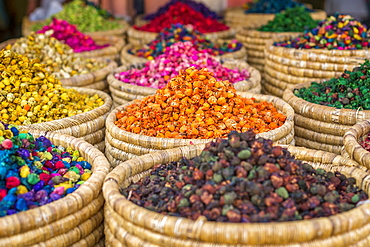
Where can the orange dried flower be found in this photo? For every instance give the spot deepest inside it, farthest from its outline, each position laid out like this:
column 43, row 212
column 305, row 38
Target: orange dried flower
column 194, row 105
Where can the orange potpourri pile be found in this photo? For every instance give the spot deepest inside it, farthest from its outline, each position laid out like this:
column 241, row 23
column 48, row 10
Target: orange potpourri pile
column 194, row 105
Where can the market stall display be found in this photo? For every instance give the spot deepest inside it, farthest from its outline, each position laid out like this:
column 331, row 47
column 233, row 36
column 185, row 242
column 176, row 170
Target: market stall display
column 45, row 202
column 87, row 18
column 338, row 43
column 204, row 109
column 262, row 12
column 325, row 110
column 194, row 185
column 289, row 23
column 32, row 98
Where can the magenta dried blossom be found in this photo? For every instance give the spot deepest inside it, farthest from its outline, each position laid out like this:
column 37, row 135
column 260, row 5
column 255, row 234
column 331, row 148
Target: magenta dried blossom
column 179, row 56
column 69, row 34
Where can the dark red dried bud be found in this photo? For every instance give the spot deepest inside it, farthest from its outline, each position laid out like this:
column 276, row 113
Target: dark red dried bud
column 215, row 213
column 209, row 174
column 292, row 187
column 206, row 198
column 233, row 216
column 276, row 180
column 273, row 199
column 179, row 184
column 198, row 175
column 210, row 188
column 270, row 167
column 289, row 212
column 330, row 208
column 240, row 172
column 277, row 151
column 313, row 202
column 171, row 206
column 336, row 181
column 194, row 198
column 288, row 203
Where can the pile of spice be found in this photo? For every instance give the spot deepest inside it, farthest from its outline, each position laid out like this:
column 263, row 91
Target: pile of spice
column 70, row 35
column 184, row 33
column 194, row 105
column 85, row 16
column 273, row 7
column 183, row 14
column 179, row 56
column 296, row 19
column 244, row 179
column 197, row 6
column 341, row 32
column 58, row 57
column 34, row 172
column 350, row 91
column 29, row 94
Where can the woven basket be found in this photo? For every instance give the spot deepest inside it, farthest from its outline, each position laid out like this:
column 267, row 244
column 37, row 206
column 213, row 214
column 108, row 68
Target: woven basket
column 94, row 80
column 237, row 19
column 130, row 59
column 111, row 52
column 88, row 126
column 140, row 38
column 76, row 219
column 127, row 224
column 129, row 92
column 27, row 24
column 321, row 127
column 287, row 66
column 352, row 139
column 255, row 41
column 122, row 145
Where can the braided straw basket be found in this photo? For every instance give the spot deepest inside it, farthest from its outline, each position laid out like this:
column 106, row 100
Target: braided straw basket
column 76, row 219
column 352, row 139
column 129, row 92
column 111, row 52
column 122, row 145
column 288, row 66
column 140, row 38
column 94, row 80
column 127, row 224
column 321, row 127
column 27, row 25
column 129, row 59
column 88, row 126
column 255, row 42
column 237, row 19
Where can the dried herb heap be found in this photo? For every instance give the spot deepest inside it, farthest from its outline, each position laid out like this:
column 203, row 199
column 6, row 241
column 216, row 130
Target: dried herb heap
column 29, row 94
column 59, row 58
column 296, row 19
column 244, row 179
column 350, row 91
column 194, row 105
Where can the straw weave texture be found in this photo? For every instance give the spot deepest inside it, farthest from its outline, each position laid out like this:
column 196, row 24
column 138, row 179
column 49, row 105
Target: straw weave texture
column 92, row 78
column 324, row 125
column 352, row 139
column 129, row 224
column 66, row 221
